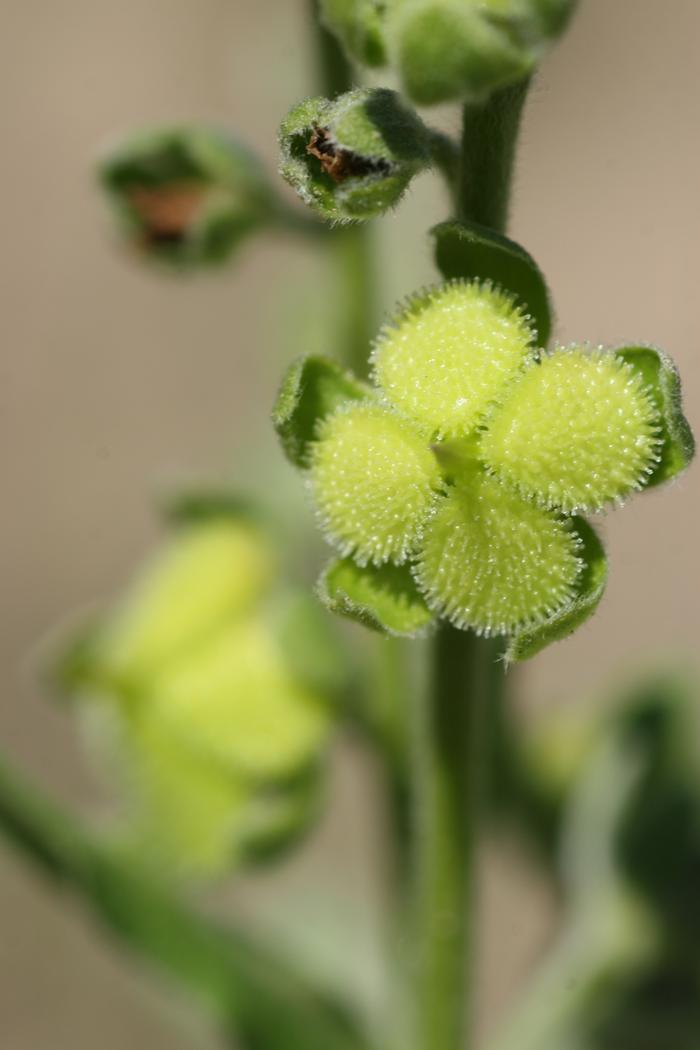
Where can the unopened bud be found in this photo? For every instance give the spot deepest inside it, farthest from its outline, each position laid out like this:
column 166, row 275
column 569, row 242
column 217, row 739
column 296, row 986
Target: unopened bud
column 186, row 196
column 354, row 156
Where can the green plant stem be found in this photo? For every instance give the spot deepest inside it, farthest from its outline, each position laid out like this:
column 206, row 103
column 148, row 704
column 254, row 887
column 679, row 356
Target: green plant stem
column 355, row 297
column 353, row 275
column 449, row 759
column 451, row 734
column 489, row 139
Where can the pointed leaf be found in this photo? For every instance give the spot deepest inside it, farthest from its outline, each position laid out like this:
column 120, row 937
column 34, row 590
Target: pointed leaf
column 661, row 375
column 471, row 251
column 312, row 388
column 383, row 598
column 589, row 591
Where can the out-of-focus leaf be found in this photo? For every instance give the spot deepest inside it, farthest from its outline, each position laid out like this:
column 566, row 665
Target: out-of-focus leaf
column 247, row 989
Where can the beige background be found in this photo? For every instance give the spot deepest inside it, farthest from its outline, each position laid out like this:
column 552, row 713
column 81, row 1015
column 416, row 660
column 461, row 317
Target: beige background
column 114, row 380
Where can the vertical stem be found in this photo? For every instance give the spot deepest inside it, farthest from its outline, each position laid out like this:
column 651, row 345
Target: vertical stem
column 350, row 248
column 449, row 760
column 355, row 296
column 451, row 733
column 489, row 138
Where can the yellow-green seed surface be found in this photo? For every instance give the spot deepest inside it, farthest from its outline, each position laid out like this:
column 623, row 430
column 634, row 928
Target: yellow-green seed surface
column 494, row 563
column 373, row 479
column 577, row 431
column 235, row 701
column 446, row 358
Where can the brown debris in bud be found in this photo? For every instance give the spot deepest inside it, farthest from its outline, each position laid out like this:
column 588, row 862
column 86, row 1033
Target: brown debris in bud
column 167, row 212
column 341, row 163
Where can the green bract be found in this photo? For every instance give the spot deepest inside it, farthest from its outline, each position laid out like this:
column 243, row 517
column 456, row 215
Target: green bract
column 467, row 461
column 464, row 49
column 214, row 729
column 186, row 196
column 352, row 157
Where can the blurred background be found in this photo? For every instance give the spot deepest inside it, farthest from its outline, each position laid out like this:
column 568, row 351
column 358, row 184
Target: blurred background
column 118, row 381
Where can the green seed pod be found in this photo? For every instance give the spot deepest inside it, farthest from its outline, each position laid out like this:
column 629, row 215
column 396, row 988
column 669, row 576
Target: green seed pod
column 492, row 562
column 358, row 26
column 464, row 49
column 207, row 575
column 601, row 444
column 373, row 479
column 445, row 357
column 354, row 156
column 186, row 196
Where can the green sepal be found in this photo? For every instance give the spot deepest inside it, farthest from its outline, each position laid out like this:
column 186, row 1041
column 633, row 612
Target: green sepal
column 468, row 250
column 384, row 598
column 663, row 381
column 312, row 388
column 589, row 591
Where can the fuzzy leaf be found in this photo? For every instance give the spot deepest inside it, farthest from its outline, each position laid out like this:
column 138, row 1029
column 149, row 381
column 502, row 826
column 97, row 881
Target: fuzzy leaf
column 312, row 388
column 384, row 598
column 661, row 376
column 470, row 251
column 589, row 590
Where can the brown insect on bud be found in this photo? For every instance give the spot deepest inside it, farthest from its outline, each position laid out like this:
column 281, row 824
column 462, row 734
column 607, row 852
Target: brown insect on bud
column 339, row 163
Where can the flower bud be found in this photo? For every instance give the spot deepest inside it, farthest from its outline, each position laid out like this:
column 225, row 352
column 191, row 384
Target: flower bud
column 464, row 49
column 358, row 26
column 186, row 196
column 353, row 157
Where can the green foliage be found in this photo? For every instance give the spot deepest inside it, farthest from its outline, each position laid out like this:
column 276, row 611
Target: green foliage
column 214, row 730
column 353, row 157
column 473, row 252
column 248, row 991
column 384, row 598
column 358, row 26
column 629, row 849
column 186, row 196
column 455, row 49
